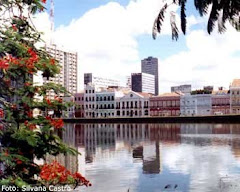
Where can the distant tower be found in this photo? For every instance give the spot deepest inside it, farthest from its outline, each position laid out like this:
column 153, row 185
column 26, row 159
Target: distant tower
column 150, row 66
column 52, row 21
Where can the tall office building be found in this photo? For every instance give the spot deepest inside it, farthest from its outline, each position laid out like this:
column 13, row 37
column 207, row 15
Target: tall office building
column 150, row 66
column 99, row 81
column 68, row 62
column 143, row 82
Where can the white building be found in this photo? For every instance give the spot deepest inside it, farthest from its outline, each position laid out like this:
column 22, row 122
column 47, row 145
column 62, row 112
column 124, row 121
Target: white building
column 70, row 111
column 143, row 82
column 133, row 105
column 199, row 104
column 68, row 63
column 89, row 101
column 105, row 101
column 235, row 96
column 99, row 81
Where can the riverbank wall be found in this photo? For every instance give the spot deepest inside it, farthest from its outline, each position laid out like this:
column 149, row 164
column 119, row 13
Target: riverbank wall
column 182, row 119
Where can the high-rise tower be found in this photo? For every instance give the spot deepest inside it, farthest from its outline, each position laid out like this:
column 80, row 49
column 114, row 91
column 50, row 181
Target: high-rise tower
column 150, row 66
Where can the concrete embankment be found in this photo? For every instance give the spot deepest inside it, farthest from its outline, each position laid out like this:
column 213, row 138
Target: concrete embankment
column 192, row 119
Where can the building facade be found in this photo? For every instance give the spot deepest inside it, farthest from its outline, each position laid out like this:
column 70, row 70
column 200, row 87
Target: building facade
column 235, row 96
column 142, row 82
column 167, row 104
column 89, row 101
column 68, row 63
column 133, row 104
column 186, row 89
column 105, row 101
column 198, row 104
column 150, row 66
column 98, row 82
column 79, row 104
column 220, row 102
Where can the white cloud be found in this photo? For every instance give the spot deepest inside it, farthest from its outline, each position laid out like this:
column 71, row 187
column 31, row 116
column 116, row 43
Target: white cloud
column 105, row 37
column 106, row 41
column 209, row 60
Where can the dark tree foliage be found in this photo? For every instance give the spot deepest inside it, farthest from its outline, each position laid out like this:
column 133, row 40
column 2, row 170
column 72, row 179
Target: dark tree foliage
column 221, row 11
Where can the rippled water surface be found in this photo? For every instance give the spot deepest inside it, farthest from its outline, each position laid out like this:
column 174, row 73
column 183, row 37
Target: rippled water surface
column 156, row 157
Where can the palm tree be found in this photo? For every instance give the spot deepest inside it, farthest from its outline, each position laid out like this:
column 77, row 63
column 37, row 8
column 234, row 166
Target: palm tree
column 221, row 11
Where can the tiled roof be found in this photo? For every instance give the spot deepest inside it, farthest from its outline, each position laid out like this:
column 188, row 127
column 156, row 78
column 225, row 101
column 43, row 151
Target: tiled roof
column 174, row 94
column 220, row 92
column 144, row 94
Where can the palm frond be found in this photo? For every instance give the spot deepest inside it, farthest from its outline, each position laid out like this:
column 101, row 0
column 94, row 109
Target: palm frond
column 213, row 17
column 159, row 21
column 174, row 26
column 182, row 3
column 202, row 6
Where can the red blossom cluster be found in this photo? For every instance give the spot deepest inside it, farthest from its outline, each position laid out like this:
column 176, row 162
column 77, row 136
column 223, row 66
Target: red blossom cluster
column 56, row 123
column 1, row 113
column 58, row 99
column 56, row 172
column 44, row 1
column 29, row 63
column 31, row 126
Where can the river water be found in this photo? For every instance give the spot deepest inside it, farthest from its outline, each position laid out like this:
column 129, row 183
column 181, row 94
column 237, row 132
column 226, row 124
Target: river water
column 155, row 157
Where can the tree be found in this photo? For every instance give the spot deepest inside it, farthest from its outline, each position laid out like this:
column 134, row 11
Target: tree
column 23, row 135
column 221, row 11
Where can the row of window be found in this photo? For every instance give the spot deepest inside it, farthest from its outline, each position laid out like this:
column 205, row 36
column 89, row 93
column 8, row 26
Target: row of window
column 165, row 103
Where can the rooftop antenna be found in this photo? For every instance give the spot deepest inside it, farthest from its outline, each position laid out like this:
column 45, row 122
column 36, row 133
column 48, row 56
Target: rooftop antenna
column 52, row 21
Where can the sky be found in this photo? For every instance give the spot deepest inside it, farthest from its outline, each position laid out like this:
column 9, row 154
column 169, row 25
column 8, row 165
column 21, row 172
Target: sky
column 112, row 37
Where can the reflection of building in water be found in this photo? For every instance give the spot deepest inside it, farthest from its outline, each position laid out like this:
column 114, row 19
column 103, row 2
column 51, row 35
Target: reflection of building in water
column 92, row 136
column 165, row 132
column 69, row 161
column 149, row 154
column 132, row 133
column 196, row 129
column 151, row 159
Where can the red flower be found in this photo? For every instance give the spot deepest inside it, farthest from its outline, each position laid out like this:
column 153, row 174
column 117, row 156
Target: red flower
column 19, row 162
column 30, row 114
column 52, row 61
column 1, row 113
column 4, row 64
column 27, row 84
column 43, row 1
column 14, row 27
column 32, row 126
column 58, row 123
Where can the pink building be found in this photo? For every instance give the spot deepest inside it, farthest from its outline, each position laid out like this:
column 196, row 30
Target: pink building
column 220, row 102
column 79, row 104
column 167, row 104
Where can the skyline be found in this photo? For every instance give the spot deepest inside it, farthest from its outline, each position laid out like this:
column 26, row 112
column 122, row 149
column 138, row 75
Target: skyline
column 112, row 38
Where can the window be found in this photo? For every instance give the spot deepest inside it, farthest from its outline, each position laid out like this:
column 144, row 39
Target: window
column 86, row 91
column 89, row 91
column 92, row 91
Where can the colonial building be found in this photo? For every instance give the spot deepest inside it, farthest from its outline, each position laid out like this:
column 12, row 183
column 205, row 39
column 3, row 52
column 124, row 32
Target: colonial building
column 221, row 102
column 133, row 104
column 167, row 104
column 235, row 96
column 105, row 104
column 196, row 104
column 89, row 101
column 79, row 104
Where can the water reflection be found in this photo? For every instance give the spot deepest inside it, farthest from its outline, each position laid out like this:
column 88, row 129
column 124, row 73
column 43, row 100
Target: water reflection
column 154, row 157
